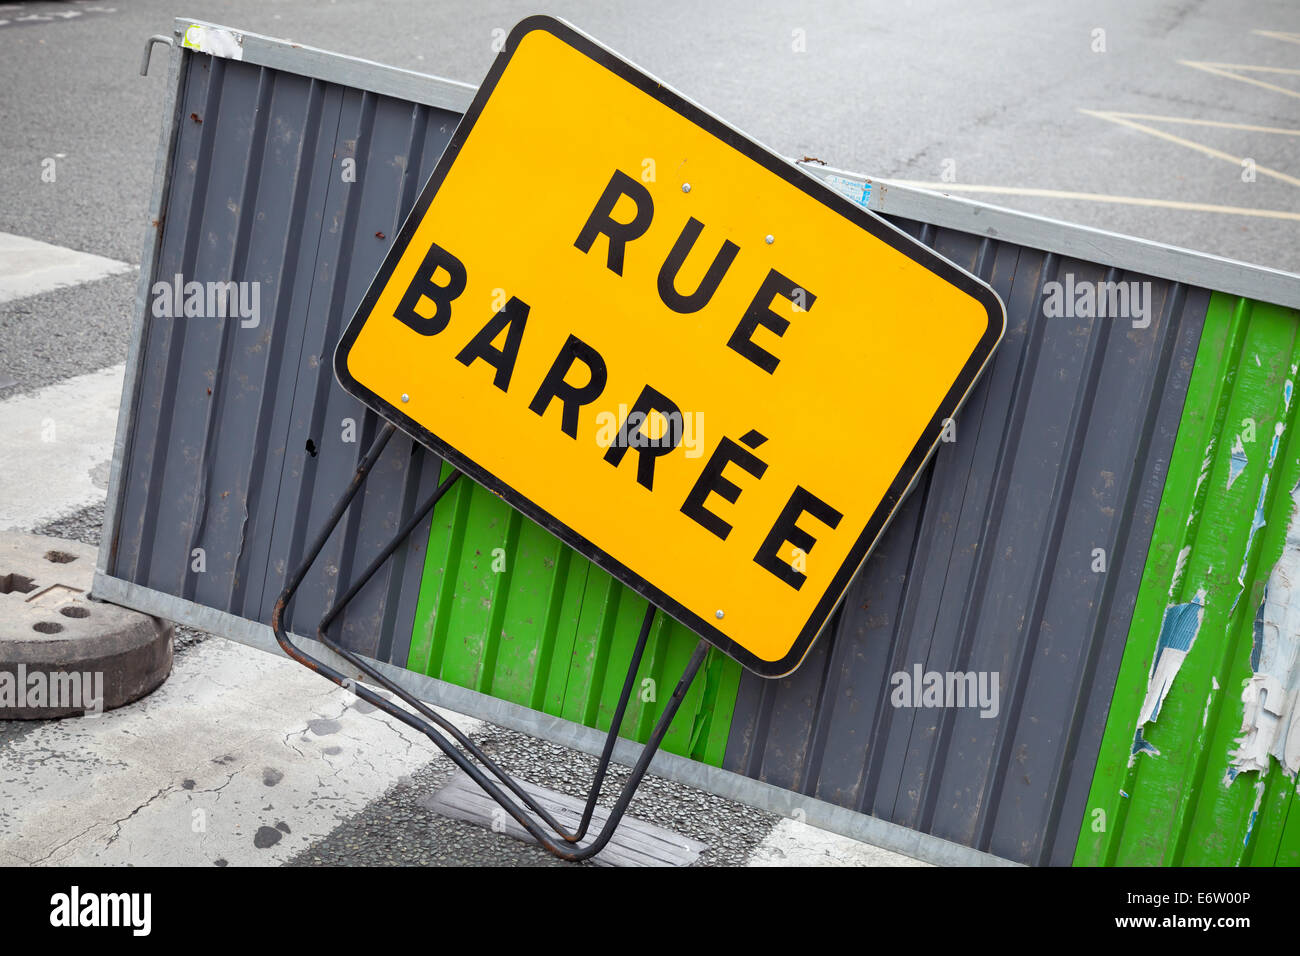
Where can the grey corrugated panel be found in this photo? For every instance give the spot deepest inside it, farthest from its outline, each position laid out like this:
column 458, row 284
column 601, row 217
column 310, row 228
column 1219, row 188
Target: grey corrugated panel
column 1061, row 449
column 217, row 457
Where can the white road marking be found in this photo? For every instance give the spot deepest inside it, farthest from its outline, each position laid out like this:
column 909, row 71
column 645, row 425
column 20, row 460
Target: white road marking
column 1224, row 69
column 238, row 756
column 55, row 448
column 792, row 843
column 1093, row 197
column 29, row 267
column 52, row 16
column 1206, row 150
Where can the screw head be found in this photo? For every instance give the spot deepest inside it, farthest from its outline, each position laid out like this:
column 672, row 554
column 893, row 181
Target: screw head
column 769, row 239
column 405, row 397
column 719, row 614
column 686, row 187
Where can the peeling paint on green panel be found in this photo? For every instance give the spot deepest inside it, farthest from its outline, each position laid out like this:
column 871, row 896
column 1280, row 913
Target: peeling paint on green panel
column 508, row 610
column 1165, row 791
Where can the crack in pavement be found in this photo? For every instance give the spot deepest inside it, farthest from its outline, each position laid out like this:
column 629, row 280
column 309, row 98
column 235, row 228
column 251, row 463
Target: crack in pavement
column 41, row 860
column 117, row 825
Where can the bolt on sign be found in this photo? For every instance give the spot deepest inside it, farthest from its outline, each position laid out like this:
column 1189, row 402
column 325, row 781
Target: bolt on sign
column 701, row 368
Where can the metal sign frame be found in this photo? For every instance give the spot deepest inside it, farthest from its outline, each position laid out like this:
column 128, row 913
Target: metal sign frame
column 921, row 452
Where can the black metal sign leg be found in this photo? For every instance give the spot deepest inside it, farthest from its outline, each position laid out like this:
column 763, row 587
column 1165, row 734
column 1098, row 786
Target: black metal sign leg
column 429, row 721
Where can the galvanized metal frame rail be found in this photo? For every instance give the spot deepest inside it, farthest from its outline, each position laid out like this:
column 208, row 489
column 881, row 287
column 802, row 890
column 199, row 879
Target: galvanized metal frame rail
column 430, row 721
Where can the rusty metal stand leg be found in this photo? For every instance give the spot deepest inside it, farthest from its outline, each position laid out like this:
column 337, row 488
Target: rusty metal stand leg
column 429, row 717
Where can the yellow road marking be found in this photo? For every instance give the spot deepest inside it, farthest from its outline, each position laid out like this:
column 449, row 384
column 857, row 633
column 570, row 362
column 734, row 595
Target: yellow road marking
column 1278, row 35
column 1094, row 197
column 1204, row 122
column 1288, row 70
column 1207, row 150
column 1222, row 69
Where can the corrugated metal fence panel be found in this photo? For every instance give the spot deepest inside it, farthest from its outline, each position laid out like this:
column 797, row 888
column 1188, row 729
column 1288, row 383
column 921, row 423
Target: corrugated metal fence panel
column 1061, row 449
column 241, row 438
column 1165, row 792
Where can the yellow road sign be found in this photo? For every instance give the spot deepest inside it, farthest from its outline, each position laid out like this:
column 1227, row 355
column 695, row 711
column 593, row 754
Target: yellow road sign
column 700, row 367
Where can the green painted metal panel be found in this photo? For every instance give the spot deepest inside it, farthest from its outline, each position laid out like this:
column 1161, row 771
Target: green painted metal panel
column 1167, row 792
column 508, row 610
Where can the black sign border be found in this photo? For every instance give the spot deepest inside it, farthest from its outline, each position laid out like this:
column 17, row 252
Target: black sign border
column 787, row 171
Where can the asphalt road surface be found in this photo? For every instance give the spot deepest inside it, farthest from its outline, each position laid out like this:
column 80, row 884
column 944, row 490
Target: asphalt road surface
column 1174, row 121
